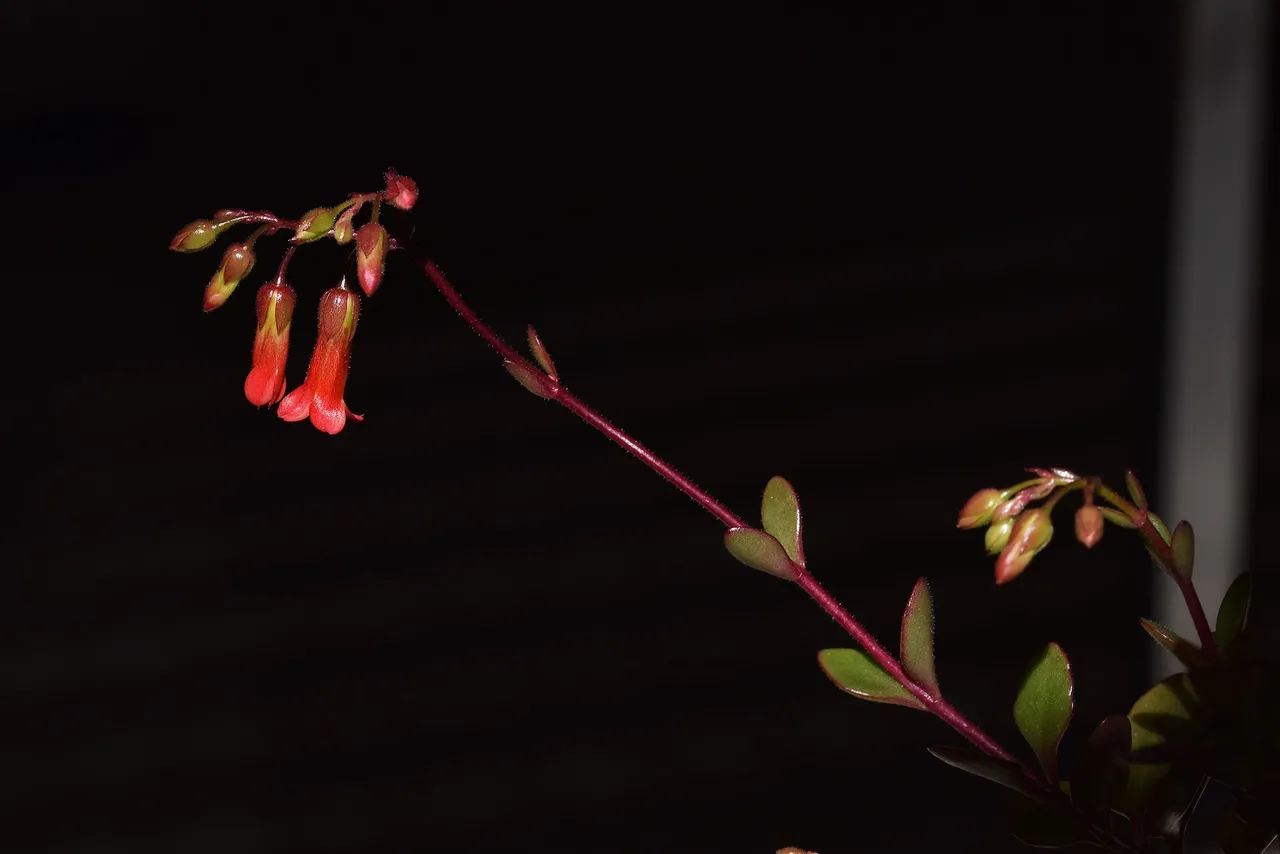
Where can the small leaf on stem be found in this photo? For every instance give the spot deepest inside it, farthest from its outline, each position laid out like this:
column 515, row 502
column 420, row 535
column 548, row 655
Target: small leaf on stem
column 1233, row 613
column 860, row 675
column 917, row 638
column 1007, row 774
column 780, row 516
column 1115, row 517
column 1101, row 770
column 541, row 356
column 1043, row 707
column 1160, row 527
column 530, row 379
column 1185, row 651
column 761, row 551
column 1135, row 490
column 1183, row 544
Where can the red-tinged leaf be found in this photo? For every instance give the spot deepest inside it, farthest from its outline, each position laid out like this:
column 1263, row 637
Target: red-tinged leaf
column 541, row 356
column 1185, row 651
column 529, row 378
column 859, row 674
column 917, row 638
column 1135, row 490
column 1044, row 704
column 780, row 516
column 1007, row 774
column 759, row 550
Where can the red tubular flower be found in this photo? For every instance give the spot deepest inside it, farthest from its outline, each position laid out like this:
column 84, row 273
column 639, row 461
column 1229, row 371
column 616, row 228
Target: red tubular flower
column 320, row 395
column 1031, row 533
column 265, row 383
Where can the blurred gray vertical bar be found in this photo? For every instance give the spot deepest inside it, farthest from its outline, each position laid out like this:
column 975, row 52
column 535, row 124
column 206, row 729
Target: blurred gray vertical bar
column 1209, row 378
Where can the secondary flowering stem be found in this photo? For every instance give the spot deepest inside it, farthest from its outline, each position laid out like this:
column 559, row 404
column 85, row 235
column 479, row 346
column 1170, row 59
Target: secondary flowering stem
column 554, row 391
column 1164, row 554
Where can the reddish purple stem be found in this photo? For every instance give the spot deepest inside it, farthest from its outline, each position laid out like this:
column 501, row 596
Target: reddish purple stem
column 936, row 705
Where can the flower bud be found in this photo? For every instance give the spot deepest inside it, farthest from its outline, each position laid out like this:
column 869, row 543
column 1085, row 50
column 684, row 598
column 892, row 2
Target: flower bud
column 265, row 383
column 320, row 396
column 314, row 225
column 343, row 229
column 401, row 191
column 371, row 256
column 1031, row 533
column 978, row 509
column 196, row 236
column 236, row 264
column 1089, row 525
column 998, row 536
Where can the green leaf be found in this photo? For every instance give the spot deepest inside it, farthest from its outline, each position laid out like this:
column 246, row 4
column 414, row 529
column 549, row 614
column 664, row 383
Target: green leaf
column 1043, row 707
column 1101, row 771
column 1185, row 651
column 1007, row 774
column 1135, row 490
column 1183, row 545
column 1233, row 613
column 1115, row 517
column 759, row 550
column 780, row 516
column 541, row 356
column 917, row 638
column 1159, row 714
column 858, row 673
column 1161, row 528
column 1040, row 825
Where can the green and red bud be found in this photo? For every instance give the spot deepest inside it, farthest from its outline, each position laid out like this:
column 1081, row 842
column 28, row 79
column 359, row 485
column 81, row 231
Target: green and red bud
column 1089, row 525
column 1031, row 533
column 320, row 396
column 314, row 225
column 978, row 509
column 265, row 383
column 371, row 256
column 196, row 236
column 236, row 264
column 343, row 228
column 401, row 191
column 997, row 536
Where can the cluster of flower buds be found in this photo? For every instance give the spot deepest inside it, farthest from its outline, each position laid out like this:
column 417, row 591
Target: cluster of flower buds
column 1017, row 533
column 320, row 398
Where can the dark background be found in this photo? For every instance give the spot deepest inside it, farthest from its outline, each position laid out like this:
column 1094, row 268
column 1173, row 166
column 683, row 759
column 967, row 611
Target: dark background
column 894, row 254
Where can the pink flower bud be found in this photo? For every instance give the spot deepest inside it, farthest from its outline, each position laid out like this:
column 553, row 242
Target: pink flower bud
column 1089, row 525
column 1031, row 533
column 401, row 191
column 236, row 264
column 321, row 395
column 371, row 256
column 978, row 509
column 265, row 383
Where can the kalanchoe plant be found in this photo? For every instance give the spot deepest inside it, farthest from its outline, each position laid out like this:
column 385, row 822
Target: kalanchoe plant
column 1139, row 775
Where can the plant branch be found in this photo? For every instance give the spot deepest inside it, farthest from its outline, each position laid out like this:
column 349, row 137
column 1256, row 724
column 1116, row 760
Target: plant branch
column 554, row 391
column 1162, row 553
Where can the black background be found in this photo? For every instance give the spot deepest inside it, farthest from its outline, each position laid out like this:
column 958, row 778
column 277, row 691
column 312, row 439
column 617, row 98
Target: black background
column 894, row 254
